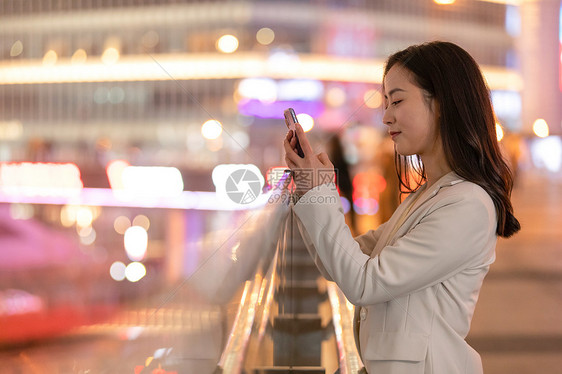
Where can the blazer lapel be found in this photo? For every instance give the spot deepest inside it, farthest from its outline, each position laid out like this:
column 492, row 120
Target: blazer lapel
column 448, row 179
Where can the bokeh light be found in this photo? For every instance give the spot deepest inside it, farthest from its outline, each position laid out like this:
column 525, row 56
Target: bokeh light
column 87, row 235
column 306, row 121
column 68, row 215
column 142, row 221
column 366, row 206
column 84, row 216
column 110, row 56
column 121, row 224
column 135, row 271
column 50, row 58
column 79, row 57
column 116, row 95
column 211, row 129
column 117, row 271
column 17, row 49
column 227, row 44
column 84, row 231
column 335, row 97
column 21, row 211
column 540, row 128
column 372, row 99
column 136, row 242
column 265, row 36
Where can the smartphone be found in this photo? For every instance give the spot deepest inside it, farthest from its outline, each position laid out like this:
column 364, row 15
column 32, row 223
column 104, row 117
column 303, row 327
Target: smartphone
column 290, row 120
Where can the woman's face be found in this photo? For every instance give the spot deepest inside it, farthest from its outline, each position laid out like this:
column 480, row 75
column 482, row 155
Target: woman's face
column 409, row 115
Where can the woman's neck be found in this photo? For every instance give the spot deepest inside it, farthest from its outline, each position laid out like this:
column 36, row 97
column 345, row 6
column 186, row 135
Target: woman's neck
column 435, row 167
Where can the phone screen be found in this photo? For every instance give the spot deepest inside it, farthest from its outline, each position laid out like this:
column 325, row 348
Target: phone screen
column 290, row 120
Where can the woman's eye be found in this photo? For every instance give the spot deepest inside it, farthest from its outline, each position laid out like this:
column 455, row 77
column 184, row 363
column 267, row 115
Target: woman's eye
column 396, row 102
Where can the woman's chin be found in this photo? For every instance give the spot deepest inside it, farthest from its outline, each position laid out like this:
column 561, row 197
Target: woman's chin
column 404, row 152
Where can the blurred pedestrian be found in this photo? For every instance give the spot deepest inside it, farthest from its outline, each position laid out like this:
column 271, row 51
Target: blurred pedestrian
column 343, row 177
column 390, row 196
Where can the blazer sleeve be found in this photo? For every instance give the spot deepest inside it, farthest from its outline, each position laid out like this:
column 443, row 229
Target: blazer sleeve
column 366, row 241
column 449, row 236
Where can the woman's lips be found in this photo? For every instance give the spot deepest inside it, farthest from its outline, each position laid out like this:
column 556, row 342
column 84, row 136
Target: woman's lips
column 394, row 134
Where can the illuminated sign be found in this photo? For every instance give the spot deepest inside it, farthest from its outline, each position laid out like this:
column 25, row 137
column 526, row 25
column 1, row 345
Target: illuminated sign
column 131, row 186
column 268, row 90
column 144, row 181
column 152, row 181
column 40, row 179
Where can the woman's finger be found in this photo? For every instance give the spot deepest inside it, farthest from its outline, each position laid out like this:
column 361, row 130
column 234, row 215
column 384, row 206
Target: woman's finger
column 293, row 142
column 287, row 146
column 324, row 159
column 289, row 135
column 303, row 140
column 291, row 154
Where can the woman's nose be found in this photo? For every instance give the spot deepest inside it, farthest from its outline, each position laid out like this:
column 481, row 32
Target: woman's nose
column 387, row 117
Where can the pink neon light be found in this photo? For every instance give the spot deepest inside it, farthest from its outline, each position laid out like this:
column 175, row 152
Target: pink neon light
column 252, row 107
column 198, row 200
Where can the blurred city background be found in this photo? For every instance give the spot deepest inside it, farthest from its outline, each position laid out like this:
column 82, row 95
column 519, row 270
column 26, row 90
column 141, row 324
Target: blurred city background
column 130, row 243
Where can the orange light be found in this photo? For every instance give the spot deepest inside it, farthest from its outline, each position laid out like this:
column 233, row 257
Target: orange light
column 227, row 44
column 499, row 132
column 368, row 185
column 110, row 56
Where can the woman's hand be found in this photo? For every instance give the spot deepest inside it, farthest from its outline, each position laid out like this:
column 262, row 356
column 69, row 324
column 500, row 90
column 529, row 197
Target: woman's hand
column 310, row 171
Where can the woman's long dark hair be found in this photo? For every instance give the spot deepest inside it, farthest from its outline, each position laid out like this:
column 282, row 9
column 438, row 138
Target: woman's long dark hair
column 467, row 125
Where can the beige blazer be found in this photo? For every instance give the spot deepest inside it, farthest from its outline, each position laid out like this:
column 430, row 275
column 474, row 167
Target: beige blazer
column 414, row 284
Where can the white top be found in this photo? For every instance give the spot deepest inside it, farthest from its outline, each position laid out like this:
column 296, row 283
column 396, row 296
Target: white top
column 416, row 278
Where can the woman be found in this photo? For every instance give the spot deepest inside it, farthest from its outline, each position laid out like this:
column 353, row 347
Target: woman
column 415, row 280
